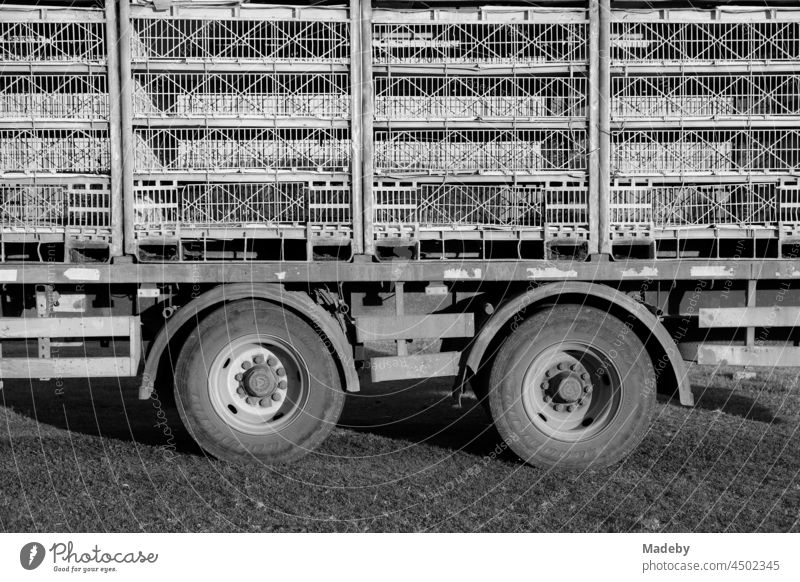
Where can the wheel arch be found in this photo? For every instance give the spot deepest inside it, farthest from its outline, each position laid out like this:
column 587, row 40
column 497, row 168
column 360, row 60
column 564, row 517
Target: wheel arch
column 658, row 341
column 299, row 303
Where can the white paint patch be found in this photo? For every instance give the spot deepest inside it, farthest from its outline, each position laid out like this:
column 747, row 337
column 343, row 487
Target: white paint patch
column 148, row 292
column 711, row 272
column 792, row 274
column 462, row 274
column 82, row 274
column 281, row 275
column 550, row 273
column 645, row 272
column 8, row 276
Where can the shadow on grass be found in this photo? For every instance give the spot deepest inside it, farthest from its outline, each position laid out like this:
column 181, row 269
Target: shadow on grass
column 734, row 403
column 102, row 407
column 109, row 408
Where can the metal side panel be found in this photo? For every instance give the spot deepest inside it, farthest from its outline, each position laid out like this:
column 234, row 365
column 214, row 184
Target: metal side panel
column 762, row 356
column 418, row 366
column 775, row 316
column 404, row 327
column 68, row 327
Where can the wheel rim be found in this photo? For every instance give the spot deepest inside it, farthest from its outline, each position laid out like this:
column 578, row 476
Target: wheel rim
column 571, row 391
column 258, row 384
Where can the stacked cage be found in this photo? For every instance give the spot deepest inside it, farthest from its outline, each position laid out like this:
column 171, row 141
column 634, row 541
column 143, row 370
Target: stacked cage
column 241, row 131
column 705, row 130
column 54, row 135
column 480, row 129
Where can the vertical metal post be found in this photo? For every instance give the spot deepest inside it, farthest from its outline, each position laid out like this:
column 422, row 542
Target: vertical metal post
column 115, row 145
column 126, row 111
column 604, row 175
column 594, row 98
column 367, row 116
column 356, row 133
column 751, row 302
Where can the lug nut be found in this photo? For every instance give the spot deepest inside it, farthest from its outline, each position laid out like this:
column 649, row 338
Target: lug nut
column 548, row 374
column 265, row 402
column 570, row 408
column 282, row 385
column 246, row 365
column 545, row 385
column 252, row 400
column 239, row 377
column 587, row 389
column 276, row 396
column 557, row 408
column 585, row 376
column 562, row 366
column 547, row 398
column 259, row 359
column 240, row 391
column 574, row 367
column 272, row 361
column 280, row 372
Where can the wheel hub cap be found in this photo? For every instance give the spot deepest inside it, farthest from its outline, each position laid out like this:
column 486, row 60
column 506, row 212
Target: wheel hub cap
column 570, row 389
column 260, row 381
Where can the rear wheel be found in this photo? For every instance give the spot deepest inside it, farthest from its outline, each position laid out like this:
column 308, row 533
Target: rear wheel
column 573, row 387
column 256, row 383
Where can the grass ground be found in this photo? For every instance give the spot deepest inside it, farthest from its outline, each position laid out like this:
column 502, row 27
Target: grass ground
column 403, row 459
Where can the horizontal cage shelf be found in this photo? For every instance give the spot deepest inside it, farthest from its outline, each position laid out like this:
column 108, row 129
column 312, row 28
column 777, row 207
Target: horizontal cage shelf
column 226, row 40
column 421, row 97
column 710, row 205
column 38, row 41
column 480, row 150
column 489, row 43
column 219, row 149
column 240, row 205
column 501, row 207
column 705, row 151
column 57, row 151
column 705, row 96
column 705, row 42
column 33, row 96
column 54, row 207
column 323, row 95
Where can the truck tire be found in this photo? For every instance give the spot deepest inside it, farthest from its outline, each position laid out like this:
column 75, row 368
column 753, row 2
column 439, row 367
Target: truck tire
column 256, row 383
column 572, row 388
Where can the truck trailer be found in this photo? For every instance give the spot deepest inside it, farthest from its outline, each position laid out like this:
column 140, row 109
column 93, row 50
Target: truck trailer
column 564, row 202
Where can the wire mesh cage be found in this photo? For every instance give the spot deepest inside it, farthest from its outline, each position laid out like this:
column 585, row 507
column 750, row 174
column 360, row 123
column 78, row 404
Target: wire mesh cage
column 45, row 96
column 705, row 41
column 689, row 151
column 38, row 41
column 695, row 205
column 239, row 206
column 159, row 150
column 488, row 42
column 479, row 150
column 277, row 41
column 54, row 151
column 32, row 208
column 706, row 96
column 266, row 95
column 477, row 97
column 459, row 206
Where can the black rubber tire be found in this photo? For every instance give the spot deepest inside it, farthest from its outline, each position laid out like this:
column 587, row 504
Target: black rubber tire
column 592, row 327
column 312, row 424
